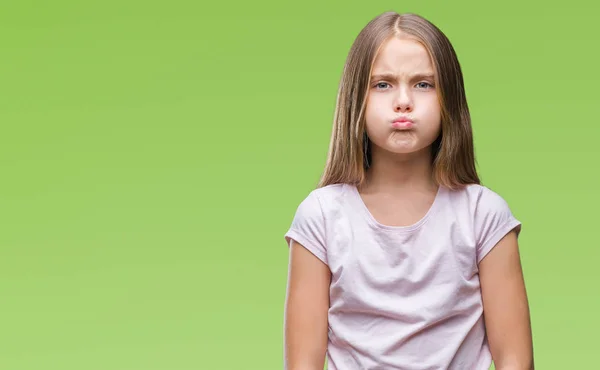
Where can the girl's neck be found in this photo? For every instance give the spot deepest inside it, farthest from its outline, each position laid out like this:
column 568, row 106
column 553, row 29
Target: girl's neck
column 393, row 173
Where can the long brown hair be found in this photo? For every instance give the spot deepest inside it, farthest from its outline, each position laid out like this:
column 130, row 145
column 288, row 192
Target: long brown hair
column 453, row 154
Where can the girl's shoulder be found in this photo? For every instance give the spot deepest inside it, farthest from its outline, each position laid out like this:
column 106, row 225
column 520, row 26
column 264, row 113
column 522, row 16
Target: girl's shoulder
column 477, row 196
column 308, row 225
column 490, row 214
column 322, row 203
column 326, row 196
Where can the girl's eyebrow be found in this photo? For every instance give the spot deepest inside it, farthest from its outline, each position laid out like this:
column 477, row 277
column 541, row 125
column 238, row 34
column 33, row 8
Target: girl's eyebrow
column 393, row 77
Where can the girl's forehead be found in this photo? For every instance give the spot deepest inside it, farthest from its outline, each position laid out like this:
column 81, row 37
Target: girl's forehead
column 403, row 54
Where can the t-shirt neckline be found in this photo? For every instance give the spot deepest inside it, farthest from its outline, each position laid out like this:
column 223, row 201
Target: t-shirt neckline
column 373, row 222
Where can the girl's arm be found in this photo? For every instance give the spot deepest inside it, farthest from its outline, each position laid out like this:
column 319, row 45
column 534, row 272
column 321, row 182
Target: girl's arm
column 505, row 306
column 306, row 306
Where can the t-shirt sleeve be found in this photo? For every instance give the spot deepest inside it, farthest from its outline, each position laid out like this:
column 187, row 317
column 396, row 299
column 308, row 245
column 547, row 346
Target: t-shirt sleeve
column 493, row 220
column 308, row 227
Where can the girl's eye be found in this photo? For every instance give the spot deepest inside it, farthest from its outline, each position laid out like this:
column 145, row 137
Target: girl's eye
column 425, row 83
column 379, row 85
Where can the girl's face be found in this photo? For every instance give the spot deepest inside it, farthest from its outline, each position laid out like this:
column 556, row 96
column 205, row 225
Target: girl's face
column 402, row 87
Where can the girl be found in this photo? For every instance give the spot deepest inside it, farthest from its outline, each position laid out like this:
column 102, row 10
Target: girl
column 401, row 259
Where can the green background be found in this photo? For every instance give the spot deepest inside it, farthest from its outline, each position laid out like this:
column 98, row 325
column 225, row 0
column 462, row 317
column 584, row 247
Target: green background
column 153, row 155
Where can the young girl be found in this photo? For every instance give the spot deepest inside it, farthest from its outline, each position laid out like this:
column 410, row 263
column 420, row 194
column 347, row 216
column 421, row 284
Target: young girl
column 401, row 259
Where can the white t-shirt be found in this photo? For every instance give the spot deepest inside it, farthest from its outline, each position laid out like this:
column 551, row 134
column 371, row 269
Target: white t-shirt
column 404, row 297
